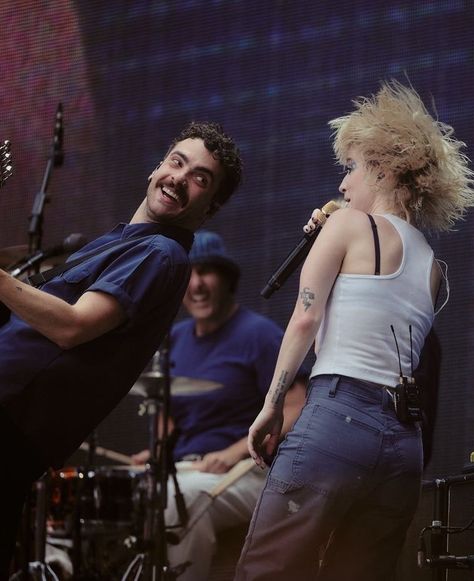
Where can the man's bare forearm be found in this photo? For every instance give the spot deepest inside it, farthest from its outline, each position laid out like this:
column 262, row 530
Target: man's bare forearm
column 66, row 325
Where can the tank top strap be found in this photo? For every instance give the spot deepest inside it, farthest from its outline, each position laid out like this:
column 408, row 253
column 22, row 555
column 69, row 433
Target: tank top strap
column 376, row 244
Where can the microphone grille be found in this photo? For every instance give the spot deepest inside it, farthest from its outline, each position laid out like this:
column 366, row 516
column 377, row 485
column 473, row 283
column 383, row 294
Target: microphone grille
column 331, row 207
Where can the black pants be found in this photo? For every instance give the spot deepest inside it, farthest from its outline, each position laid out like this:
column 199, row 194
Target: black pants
column 20, row 468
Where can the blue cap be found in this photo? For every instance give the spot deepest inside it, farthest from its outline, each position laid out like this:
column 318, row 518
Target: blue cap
column 209, row 248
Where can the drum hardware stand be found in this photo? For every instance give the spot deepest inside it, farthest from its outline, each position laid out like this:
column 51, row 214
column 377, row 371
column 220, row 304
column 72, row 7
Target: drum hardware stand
column 77, row 539
column 76, row 556
column 151, row 564
column 37, row 570
column 181, row 508
column 91, row 452
column 439, row 558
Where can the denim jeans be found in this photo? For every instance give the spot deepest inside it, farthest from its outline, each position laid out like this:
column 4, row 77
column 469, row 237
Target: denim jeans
column 341, row 491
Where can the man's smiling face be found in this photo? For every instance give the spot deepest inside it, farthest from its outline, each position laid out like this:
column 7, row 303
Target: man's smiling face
column 208, row 296
column 183, row 186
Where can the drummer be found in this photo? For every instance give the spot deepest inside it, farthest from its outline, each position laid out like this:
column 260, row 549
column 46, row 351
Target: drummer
column 237, row 348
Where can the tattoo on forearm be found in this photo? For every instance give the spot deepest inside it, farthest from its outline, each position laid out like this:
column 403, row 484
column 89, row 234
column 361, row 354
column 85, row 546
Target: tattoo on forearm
column 307, row 297
column 19, row 289
column 280, row 388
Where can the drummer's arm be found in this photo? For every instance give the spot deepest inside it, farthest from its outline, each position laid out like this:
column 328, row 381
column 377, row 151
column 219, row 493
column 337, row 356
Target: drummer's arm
column 94, row 314
column 294, row 402
column 223, row 460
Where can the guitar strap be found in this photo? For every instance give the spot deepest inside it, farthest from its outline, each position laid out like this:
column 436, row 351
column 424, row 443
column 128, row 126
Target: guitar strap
column 42, row 277
column 183, row 237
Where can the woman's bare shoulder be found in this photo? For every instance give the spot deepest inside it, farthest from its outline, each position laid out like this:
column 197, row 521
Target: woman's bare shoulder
column 347, row 218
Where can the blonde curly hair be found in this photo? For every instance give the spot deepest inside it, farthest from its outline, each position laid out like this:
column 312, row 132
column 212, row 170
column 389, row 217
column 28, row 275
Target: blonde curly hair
column 393, row 131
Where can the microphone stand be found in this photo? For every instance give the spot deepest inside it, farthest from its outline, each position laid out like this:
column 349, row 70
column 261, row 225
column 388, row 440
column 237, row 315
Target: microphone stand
column 35, row 229
column 38, row 569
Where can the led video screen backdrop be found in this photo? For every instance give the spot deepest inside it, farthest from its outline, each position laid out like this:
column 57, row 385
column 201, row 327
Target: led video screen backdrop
column 131, row 74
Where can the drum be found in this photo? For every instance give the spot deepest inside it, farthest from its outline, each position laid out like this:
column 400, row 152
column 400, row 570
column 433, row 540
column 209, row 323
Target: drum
column 92, row 499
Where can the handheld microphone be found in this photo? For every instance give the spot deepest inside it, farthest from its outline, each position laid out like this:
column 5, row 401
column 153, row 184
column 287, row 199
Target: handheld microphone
column 70, row 244
column 298, row 254
column 58, row 152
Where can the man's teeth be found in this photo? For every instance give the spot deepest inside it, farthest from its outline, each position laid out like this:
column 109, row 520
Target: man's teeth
column 200, row 301
column 170, row 193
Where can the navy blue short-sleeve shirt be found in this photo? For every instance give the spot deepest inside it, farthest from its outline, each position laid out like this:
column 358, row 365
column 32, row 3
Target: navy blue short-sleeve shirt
column 56, row 397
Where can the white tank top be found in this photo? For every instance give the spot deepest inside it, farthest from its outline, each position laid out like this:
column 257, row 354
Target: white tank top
column 355, row 338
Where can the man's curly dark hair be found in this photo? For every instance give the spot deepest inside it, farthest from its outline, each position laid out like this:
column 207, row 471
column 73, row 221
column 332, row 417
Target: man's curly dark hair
column 224, row 149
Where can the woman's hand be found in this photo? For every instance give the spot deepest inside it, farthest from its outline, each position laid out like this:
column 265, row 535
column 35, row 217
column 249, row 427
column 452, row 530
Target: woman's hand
column 317, row 219
column 265, row 432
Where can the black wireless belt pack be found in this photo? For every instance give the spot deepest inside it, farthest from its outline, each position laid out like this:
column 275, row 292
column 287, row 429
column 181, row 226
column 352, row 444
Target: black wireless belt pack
column 407, row 400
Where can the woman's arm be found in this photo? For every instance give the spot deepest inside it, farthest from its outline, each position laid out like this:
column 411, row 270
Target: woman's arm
column 316, row 281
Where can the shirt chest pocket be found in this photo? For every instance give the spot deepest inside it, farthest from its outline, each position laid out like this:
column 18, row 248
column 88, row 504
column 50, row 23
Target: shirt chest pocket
column 76, row 275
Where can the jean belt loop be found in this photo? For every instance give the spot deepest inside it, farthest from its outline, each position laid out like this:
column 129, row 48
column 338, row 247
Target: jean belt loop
column 333, row 385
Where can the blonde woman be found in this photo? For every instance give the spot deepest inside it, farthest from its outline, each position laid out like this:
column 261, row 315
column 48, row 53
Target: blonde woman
column 348, row 476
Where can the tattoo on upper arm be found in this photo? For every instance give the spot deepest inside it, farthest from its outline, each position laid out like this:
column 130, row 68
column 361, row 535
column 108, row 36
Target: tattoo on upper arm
column 280, row 387
column 307, row 297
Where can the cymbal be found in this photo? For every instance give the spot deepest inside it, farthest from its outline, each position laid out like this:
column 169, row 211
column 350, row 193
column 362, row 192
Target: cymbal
column 10, row 255
column 151, row 380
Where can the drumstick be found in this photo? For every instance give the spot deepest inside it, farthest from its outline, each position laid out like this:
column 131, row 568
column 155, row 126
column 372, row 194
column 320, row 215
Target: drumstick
column 111, row 454
column 236, row 472
column 239, row 470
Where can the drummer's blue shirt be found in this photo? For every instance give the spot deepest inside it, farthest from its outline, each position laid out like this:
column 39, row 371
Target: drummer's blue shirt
column 241, row 357
column 55, row 396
